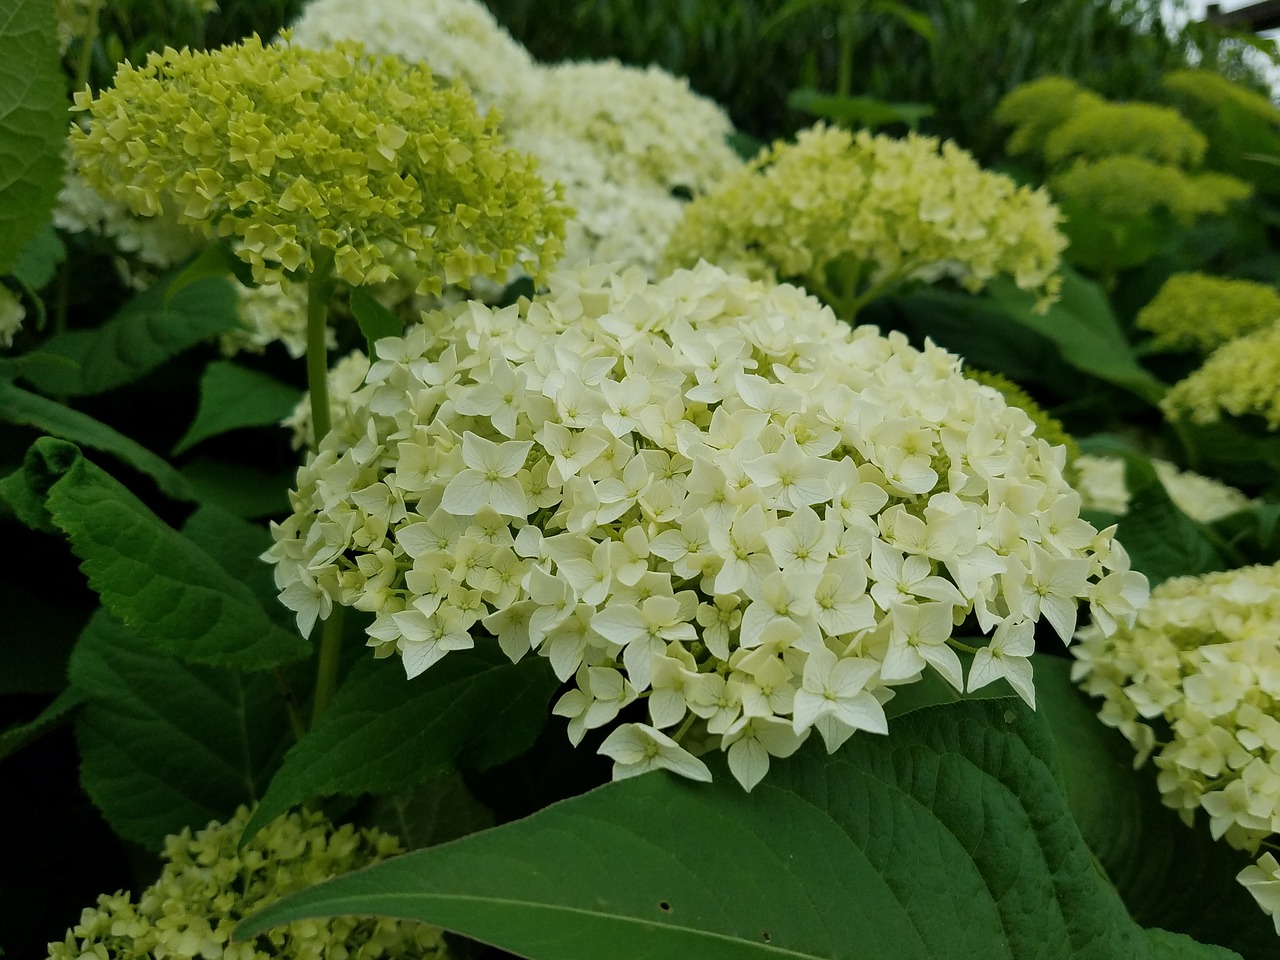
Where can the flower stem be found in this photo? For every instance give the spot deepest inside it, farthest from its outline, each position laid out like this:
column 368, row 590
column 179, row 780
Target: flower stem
column 291, row 704
column 85, row 58
column 320, row 285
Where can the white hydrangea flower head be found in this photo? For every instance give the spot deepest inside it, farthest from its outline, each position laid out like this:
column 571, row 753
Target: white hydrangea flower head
column 645, row 124
column 1201, row 662
column 706, row 494
column 457, row 39
column 1101, row 483
column 1262, row 880
column 613, row 221
column 209, row 884
column 345, row 378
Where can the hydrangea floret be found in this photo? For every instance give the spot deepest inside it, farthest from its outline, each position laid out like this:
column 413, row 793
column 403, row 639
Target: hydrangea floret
column 851, row 216
column 1194, row 682
column 706, row 494
column 1198, row 312
column 303, row 155
column 457, row 39
column 209, row 883
column 12, row 313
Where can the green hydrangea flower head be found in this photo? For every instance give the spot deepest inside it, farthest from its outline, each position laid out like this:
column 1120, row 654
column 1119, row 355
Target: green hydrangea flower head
column 1194, row 311
column 1037, row 108
column 1128, row 187
column 851, row 215
column 1101, row 129
column 1207, row 92
column 1048, row 427
column 207, row 886
column 298, row 154
column 1241, row 378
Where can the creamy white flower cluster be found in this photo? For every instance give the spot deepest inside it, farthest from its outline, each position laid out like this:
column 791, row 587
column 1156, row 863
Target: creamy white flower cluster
column 1202, row 662
column 706, row 493
column 1101, row 482
column 457, row 39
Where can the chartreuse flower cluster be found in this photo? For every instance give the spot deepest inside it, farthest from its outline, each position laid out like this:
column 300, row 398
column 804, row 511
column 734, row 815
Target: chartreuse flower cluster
column 304, row 155
column 1101, row 482
column 1235, row 322
column 1197, row 312
column 457, row 39
column 1202, row 666
column 628, row 145
column 1120, row 160
column 209, row 884
column 851, row 216
column 708, row 502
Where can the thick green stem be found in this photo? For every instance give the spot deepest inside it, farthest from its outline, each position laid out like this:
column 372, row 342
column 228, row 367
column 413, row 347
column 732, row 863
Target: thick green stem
column 327, row 667
column 320, row 285
column 85, row 59
column 319, row 293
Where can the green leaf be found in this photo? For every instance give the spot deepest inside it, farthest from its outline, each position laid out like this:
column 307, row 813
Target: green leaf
column 1168, row 875
column 375, row 320
column 33, row 122
column 52, row 716
column 238, row 546
column 145, row 333
column 1084, row 330
column 245, row 491
column 39, row 259
column 1162, row 541
column 855, row 112
column 385, row 733
column 152, row 578
column 440, row 810
column 215, row 260
column 166, row 744
column 947, row 840
column 31, row 410
column 233, row 397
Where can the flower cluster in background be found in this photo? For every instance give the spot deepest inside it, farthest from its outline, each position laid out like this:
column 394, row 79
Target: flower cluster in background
column 1196, row 682
column 1237, row 323
column 293, row 152
column 851, row 216
column 209, row 884
column 706, row 493
column 1101, row 483
column 1122, row 161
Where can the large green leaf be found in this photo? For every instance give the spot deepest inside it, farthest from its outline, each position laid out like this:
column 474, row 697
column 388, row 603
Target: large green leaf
column 950, row 838
column 166, row 744
column 33, row 122
column 1085, row 331
column 243, row 490
column 1168, row 875
column 385, row 733
column 161, row 584
column 146, row 332
column 233, row 397
column 27, row 409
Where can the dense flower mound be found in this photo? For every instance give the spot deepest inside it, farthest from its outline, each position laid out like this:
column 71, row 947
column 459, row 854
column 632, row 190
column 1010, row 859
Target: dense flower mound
column 708, row 494
column 457, row 39
column 1125, row 187
column 207, row 886
column 1209, row 92
column 1036, row 108
column 1101, row 482
column 613, row 221
column 881, row 210
column 1102, row 129
column 645, row 125
column 1048, row 427
column 1194, row 311
column 1241, row 378
column 1202, row 666
column 298, row 154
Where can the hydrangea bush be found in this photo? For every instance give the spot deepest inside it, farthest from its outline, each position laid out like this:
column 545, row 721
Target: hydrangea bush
column 707, row 493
